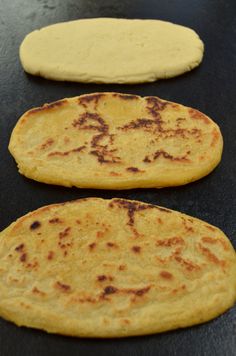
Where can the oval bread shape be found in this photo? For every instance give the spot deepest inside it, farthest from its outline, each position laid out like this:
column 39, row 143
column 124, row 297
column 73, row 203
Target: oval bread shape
column 106, row 50
column 111, row 268
column 115, row 141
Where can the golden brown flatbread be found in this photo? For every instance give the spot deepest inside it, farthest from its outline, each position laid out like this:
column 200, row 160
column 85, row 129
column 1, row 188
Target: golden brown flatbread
column 112, row 268
column 115, row 141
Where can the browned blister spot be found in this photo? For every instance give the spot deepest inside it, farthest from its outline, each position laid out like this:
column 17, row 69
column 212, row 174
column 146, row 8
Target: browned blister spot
column 136, row 249
column 134, row 170
column 23, row 119
column 210, row 255
column 161, row 260
column 66, row 153
column 92, row 246
column 197, row 115
column 65, row 232
column 187, row 264
column 103, row 153
column 209, row 227
column 63, row 287
column 103, row 278
column 166, row 155
column 50, row 255
column 189, row 228
column 109, row 290
column 125, row 96
column 33, row 265
column 173, row 241
column 141, row 123
column 47, row 144
column 187, row 224
column 115, row 174
column 23, row 257
column 180, row 119
column 131, row 207
column 36, row 291
column 96, row 140
column 90, row 300
column 139, row 291
column 20, row 247
column 84, row 300
column 125, row 321
column 166, row 275
column 56, row 104
column 100, row 234
column 64, row 245
column 15, row 280
column 183, row 133
column 174, row 105
column 105, row 156
column 85, row 100
column 179, row 289
column 160, row 221
column 111, row 244
column 210, row 240
column 215, row 137
column 155, row 105
column 55, row 221
column 35, row 225
column 122, row 267
column 90, row 121
column 163, row 209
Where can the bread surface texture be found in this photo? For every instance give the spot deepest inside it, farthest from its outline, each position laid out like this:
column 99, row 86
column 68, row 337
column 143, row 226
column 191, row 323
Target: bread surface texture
column 106, row 50
column 113, row 268
column 115, row 141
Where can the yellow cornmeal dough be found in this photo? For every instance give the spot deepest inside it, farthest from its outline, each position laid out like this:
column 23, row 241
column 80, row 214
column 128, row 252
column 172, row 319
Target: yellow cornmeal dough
column 108, row 50
column 112, row 268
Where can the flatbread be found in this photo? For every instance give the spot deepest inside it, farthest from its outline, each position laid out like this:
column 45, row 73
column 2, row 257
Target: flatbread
column 112, row 268
column 115, row 141
column 106, row 50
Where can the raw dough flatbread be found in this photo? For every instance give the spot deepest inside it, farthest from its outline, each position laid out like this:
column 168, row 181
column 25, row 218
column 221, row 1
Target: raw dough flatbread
column 106, row 50
column 111, row 268
column 115, row 141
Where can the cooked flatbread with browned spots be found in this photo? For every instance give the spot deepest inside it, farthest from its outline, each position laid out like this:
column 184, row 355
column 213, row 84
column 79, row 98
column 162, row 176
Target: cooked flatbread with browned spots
column 115, row 141
column 112, row 268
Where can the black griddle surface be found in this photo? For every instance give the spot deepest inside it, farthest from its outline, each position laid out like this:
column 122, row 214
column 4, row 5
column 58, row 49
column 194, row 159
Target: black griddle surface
column 209, row 88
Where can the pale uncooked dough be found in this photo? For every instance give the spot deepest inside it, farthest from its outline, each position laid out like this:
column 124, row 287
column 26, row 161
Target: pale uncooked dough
column 108, row 50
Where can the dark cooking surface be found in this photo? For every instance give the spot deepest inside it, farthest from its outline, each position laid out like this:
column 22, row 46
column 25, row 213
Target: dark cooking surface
column 210, row 88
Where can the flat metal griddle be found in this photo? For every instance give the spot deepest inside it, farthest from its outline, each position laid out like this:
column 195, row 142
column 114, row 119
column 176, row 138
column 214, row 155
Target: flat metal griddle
column 209, row 88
